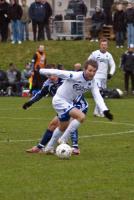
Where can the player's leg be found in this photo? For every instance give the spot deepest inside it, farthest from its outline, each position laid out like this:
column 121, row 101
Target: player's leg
column 56, row 135
column 78, row 117
column 46, row 137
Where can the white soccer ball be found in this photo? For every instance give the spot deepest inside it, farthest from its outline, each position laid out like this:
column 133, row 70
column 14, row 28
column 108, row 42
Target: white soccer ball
column 63, row 151
column 120, row 92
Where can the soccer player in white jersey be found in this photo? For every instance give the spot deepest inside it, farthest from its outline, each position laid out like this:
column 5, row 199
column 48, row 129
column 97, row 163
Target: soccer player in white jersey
column 106, row 68
column 76, row 83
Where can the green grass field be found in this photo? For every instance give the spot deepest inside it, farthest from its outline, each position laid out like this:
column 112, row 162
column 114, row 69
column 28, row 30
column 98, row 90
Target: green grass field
column 103, row 171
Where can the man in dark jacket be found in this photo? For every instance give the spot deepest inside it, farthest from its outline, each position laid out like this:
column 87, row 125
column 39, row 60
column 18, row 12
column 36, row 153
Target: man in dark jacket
column 37, row 15
column 119, row 25
column 4, row 20
column 107, row 6
column 48, row 14
column 15, row 14
column 97, row 20
column 127, row 65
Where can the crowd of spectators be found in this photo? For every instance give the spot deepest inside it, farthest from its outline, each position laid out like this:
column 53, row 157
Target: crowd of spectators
column 121, row 18
column 18, row 16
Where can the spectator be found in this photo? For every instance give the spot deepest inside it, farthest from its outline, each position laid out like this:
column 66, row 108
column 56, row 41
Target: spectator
column 25, row 21
column 25, row 75
column 77, row 10
column 14, row 78
column 107, row 6
column 97, row 23
column 4, row 20
column 130, row 23
column 15, row 14
column 3, row 82
column 127, row 65
column 119, row 25
column 78, row 7
column 38, row 62
column 37, row 15
column 48, row 14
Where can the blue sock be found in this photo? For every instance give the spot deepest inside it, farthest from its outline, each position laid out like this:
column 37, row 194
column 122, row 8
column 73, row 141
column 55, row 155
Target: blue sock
column 74, row 139
column 45, row 139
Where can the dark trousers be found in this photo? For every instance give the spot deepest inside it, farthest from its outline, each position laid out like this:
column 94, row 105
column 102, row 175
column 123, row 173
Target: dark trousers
column 38, row 30
column 108, row 16
column 129, row 75
column 95, row 30
column 120, row 38
column 4, row 31
column 47, row 30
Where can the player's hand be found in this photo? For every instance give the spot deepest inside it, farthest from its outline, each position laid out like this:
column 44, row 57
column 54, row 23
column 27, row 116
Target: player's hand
column 109, row 76
column 108, row 114
column 26, row 105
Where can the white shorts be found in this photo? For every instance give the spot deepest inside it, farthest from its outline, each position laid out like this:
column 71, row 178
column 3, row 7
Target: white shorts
column 62, row 108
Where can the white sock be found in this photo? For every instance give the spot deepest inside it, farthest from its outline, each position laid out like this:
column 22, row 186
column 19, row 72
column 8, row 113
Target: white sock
column 56, row 135
column 74, row 124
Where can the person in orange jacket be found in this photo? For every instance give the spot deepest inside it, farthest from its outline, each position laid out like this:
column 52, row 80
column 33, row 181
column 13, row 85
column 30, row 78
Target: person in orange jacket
column 38, row 62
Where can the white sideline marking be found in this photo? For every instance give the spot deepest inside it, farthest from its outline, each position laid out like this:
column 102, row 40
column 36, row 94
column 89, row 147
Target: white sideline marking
column 84, row 136
column 101, row 135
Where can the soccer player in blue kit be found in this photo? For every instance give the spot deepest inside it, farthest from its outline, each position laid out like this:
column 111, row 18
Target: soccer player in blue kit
column 75, row 84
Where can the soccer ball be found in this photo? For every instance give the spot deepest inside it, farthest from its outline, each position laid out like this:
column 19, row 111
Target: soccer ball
column 63, row 151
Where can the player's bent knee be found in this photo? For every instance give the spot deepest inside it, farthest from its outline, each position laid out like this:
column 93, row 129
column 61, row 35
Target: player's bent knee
column 82, row 118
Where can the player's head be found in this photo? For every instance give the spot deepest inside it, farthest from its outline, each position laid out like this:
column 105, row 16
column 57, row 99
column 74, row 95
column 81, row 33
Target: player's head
column 77, row 67
column 103, row 45
column 90, row 67
column 41, row 48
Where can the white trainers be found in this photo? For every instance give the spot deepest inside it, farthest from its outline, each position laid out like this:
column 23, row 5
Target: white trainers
column 19, row 42
column 92, row 40
column 50, row 151
column 13, row 42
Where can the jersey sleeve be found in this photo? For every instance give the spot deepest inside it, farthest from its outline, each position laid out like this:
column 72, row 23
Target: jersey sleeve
column 63, row 74
column 98, row 98
column 111, row 65
column 92, row 56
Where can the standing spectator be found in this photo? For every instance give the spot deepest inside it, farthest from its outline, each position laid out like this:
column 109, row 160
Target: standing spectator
column 106, row 68
column 4, row 20
column 127, row 65
column 14, row 78
column 78, row 7
column 25, row 21
column 107, row 6
column 130, row 23
column 77, row 11
column 119, row 25
column 38, row 62
column 25, row 75
column 97, row 23
column 37, row 15
column 15, row 14
column 48, row 14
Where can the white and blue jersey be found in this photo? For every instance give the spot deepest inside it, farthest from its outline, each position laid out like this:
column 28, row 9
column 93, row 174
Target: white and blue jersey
column 74, row 85
column 50, row 87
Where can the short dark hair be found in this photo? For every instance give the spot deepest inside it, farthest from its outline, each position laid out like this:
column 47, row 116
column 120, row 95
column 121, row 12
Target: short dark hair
column 91, row 62
column 103, row 40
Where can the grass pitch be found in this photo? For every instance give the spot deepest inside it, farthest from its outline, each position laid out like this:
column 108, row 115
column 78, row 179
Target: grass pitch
column 103, row 171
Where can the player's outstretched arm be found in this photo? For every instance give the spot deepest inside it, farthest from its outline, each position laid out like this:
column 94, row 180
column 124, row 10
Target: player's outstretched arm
column 27, row 105
column 108, row 115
